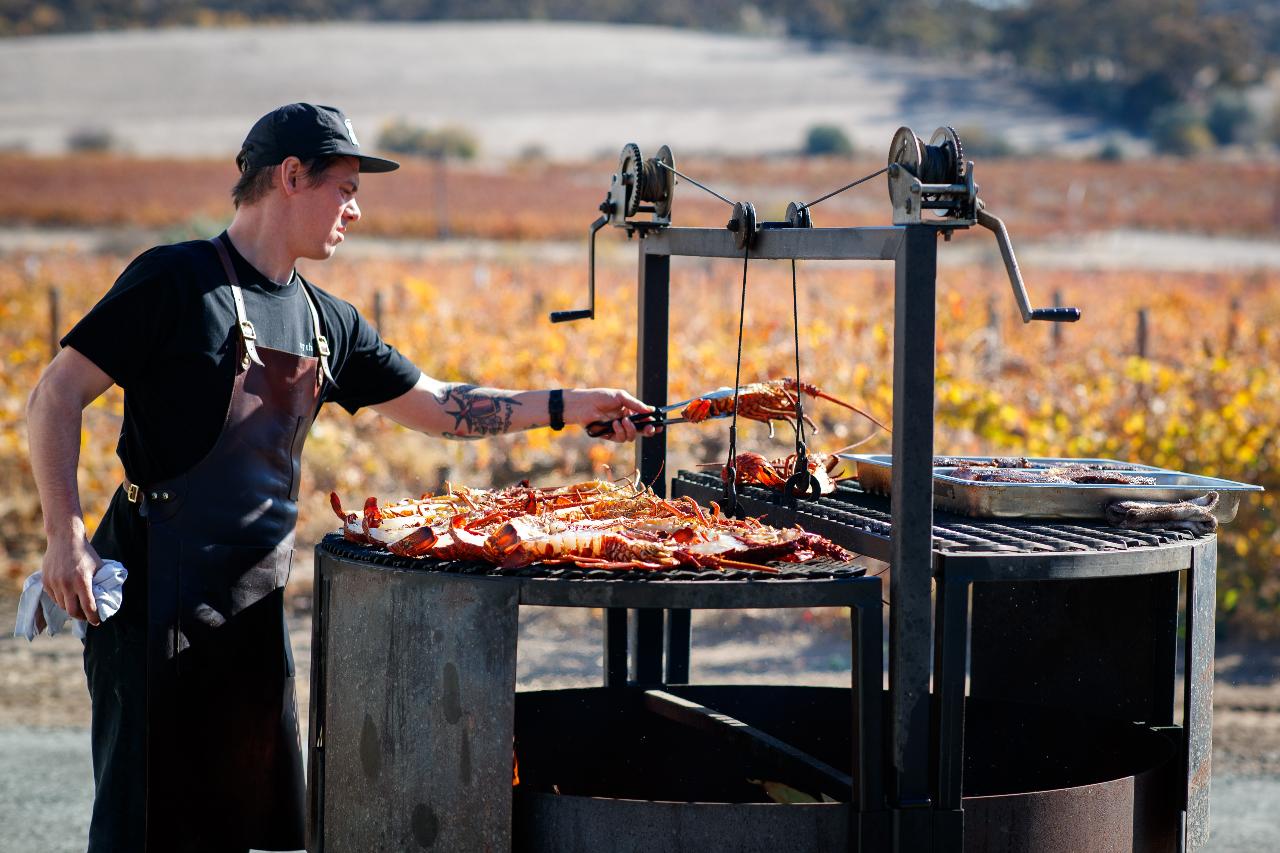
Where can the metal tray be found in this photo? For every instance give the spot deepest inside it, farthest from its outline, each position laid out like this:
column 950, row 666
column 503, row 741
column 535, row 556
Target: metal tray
column 1055, row 500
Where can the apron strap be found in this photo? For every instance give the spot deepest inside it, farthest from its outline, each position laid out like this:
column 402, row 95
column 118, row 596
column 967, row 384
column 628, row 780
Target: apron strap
column 247, row 333
column 321, row 342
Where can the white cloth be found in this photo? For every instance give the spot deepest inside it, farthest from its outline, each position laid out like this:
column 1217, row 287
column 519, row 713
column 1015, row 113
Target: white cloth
column 108, row 592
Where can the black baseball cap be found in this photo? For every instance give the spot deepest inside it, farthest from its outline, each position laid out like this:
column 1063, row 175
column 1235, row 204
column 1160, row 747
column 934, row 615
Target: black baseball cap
column 305, row 131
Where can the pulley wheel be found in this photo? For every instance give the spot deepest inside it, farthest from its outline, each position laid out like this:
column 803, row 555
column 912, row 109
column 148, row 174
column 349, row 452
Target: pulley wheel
column 665, row 179
column 904, row 152
column 798, row 216
column 743, row 224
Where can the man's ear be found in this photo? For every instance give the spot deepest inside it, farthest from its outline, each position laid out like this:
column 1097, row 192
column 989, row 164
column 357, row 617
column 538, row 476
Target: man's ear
column 290, row 175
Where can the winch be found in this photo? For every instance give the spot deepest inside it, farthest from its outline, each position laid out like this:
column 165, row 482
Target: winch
column 932, row 176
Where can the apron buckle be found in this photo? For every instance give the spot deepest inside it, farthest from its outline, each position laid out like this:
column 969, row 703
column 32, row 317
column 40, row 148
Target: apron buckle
column 131, row 493
column 247, row 332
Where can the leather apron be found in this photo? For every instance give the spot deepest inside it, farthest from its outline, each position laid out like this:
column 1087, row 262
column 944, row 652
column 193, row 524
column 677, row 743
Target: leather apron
column 224, row 760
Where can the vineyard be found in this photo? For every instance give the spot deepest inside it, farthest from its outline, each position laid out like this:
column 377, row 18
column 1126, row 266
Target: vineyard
column 1203, row 399
column 537, row 200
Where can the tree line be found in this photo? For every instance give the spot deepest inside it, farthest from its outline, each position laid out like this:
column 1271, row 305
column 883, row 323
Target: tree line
column 1177, row 69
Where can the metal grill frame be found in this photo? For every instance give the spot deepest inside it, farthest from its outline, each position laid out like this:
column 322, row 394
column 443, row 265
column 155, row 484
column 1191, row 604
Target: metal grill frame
column 924, row 746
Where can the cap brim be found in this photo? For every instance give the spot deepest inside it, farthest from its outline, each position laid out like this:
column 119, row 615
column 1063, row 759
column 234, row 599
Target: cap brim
column 375, row 164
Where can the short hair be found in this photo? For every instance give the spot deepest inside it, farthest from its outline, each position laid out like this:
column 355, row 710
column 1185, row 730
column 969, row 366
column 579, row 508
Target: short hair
column 254, row 184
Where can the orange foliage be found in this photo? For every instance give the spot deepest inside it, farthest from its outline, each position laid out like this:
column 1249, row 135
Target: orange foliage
column 1204, row 400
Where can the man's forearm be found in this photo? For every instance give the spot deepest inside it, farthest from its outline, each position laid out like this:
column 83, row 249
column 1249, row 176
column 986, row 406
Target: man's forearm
column 53, row 436
column 479, row 412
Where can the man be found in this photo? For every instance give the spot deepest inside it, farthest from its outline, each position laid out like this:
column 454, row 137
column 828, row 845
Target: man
column 225, row 355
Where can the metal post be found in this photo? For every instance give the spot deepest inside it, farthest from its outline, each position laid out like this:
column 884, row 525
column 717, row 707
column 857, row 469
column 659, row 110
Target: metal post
column 869, row 829
column 377, row 312
column 615, row 647
column 1143, row 328
column 650, row 626
column 911, row 545
column 951, row 643
column 679, row 638
column 651, row 453
column 1197, row 709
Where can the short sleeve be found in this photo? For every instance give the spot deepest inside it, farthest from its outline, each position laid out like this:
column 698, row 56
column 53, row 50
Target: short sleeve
column 134, row 320
column 373, row 371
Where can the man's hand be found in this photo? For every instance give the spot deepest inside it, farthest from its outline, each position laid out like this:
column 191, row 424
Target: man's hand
column 582, row 406
column 68, row 569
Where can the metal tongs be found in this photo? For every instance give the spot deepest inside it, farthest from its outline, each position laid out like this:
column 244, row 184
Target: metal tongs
column 658, row 417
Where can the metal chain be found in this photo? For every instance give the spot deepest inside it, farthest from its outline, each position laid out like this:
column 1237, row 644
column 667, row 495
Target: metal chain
column 861, row 180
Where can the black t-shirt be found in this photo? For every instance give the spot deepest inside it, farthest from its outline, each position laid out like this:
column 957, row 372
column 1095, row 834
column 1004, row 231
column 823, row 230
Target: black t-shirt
column 166, row 333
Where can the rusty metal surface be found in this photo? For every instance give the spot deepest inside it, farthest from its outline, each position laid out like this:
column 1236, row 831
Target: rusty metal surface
column 547, row 823
column 416, row 716
column 1103, row 646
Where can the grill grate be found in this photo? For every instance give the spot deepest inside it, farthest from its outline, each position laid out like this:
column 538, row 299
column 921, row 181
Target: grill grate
column 854, row 510
column 819, row 569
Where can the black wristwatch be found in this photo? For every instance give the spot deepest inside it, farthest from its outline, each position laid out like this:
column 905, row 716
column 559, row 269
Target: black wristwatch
column 555, row 406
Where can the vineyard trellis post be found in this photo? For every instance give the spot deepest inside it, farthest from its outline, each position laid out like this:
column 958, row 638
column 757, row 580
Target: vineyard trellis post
column 1144, row 320
column 55, row 319
column 377, row 312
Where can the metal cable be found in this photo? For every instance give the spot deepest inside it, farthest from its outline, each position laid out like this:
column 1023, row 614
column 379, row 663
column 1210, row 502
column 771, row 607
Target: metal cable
column 695, row 183
column 861, row 180
column 801, row 448
column 731, row 491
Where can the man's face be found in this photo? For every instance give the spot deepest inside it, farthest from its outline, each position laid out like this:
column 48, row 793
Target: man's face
column 324, row 211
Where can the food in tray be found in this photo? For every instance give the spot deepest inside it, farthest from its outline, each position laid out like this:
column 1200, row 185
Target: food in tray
column 594, row 524
column 1068, row 474
column 1022, row 462
column 1054, row 487
column 993, row 462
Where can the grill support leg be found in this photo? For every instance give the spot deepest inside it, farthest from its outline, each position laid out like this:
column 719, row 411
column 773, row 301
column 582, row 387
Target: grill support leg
column 911, row 554
column 679, row 638
column 1198, row 690
column 615, row 647
column 951, row 643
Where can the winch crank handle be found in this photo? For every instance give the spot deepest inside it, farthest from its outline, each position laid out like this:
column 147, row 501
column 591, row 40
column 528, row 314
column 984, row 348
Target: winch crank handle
column 1057, row 315
column 589, row 312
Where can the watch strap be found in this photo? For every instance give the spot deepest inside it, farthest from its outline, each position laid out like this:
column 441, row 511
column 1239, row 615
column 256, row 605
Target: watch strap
column 555, row 407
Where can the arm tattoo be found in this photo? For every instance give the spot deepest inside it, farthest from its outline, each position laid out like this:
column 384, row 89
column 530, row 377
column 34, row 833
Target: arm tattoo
column 476, row 412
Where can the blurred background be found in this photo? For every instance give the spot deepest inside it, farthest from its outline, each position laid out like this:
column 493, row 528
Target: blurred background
column 1132, row 148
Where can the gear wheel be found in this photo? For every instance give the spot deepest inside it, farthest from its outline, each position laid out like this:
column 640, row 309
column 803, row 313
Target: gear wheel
column 629, row 166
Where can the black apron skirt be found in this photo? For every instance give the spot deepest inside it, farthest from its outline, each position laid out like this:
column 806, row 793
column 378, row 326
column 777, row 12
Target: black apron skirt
column 196, row 742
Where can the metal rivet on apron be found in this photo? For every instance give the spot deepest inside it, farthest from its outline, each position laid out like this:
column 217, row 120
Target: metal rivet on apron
column 154, row 496
column 164, row 496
